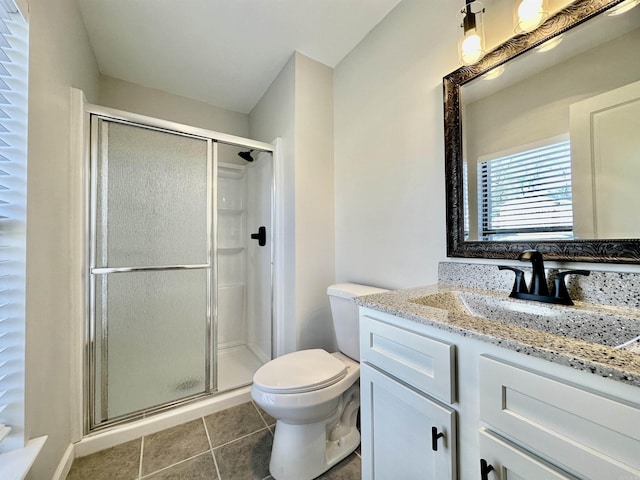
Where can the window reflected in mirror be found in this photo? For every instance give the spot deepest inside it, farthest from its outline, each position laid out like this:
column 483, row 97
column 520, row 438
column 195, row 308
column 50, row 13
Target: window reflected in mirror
column 525, row 194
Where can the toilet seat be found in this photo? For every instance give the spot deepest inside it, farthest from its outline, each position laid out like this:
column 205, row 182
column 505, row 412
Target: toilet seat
column 299, row 372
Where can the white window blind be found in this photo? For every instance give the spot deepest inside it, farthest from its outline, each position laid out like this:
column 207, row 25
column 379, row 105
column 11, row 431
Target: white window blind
column 13, row 169
column 527, row 194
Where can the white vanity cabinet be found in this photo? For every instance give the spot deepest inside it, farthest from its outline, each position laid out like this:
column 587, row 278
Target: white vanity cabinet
column 406, row 381
column 504, row 415
column 589, row 433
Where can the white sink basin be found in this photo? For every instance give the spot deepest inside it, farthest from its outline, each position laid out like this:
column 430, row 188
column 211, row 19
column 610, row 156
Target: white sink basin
column 594, row 325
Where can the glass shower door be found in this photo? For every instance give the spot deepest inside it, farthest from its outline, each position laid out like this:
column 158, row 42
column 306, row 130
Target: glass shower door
column 151, row 269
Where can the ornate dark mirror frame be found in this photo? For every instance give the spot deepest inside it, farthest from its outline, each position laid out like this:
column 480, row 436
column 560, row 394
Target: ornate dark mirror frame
column 613, row 251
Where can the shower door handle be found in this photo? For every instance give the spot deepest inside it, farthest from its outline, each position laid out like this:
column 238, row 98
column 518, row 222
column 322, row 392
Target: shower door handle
column 261, row 236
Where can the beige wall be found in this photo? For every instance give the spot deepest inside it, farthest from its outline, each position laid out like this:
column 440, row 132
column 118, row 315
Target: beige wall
column 314, row 184
column 135, row 98
column 389, row 152
column 389, row 155
column 298, row 108
column 60, row 57
column 274, row 116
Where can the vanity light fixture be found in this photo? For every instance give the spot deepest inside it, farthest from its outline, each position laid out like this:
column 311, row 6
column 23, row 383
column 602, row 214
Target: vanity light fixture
column 623, row 7
column 471, row 40
column 529, row 15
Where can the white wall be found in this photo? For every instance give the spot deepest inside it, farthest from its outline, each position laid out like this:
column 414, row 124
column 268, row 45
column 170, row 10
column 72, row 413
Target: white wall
column 314, row 182
column 116, row 93
column 298, row 108
column 389, row 154
column 274, row 116
column 60, row 57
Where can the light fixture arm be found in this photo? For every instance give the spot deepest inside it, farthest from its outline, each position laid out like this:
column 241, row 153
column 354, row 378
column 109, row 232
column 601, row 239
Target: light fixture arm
column 469, row 20
column 471, row 37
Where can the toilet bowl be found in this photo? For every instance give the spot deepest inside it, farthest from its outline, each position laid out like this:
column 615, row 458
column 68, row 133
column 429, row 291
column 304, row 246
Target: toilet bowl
column 314, row 396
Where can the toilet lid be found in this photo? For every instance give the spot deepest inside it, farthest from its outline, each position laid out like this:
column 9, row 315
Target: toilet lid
column 299, row 372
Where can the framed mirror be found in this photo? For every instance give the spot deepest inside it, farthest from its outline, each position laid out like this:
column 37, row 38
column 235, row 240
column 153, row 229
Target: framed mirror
column 542, row 141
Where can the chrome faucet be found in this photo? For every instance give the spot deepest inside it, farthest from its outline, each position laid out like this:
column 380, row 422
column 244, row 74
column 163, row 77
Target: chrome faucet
column 538, row 290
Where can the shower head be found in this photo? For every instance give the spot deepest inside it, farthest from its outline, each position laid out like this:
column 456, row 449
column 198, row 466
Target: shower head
column 246, row 156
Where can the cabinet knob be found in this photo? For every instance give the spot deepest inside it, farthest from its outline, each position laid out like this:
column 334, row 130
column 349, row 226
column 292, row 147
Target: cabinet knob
column 485, row 468
column 434, row 438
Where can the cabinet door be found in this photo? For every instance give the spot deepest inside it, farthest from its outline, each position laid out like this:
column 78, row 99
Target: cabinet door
column 397, row 431
column 508, row 462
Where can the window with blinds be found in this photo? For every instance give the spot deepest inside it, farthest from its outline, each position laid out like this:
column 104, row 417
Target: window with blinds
column 13, row 184
column 527, row 195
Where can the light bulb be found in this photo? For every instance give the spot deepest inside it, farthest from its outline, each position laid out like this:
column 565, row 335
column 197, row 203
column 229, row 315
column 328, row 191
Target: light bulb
column 531, row 13
column 471, row 48
column 471, row 34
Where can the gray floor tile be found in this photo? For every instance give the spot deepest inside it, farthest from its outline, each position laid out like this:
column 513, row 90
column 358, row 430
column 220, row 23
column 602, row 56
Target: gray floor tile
column 247, row 458
column 176, row 453
column 267, row 418
column 232, row 423
column 347, row 469
column 198, row 468
column 173, row 445
column 121, row 462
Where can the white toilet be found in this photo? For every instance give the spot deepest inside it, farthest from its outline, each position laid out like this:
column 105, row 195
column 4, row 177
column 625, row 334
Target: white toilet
column 315, row 395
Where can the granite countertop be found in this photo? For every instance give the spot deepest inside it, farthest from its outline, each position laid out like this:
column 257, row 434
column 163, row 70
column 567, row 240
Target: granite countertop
column 621, row 364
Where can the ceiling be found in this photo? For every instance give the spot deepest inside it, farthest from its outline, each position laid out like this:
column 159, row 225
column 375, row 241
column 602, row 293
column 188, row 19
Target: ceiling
column 222, row 52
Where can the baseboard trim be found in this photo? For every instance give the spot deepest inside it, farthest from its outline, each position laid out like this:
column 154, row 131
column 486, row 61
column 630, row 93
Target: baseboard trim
column 130, row 431
column 65, row 464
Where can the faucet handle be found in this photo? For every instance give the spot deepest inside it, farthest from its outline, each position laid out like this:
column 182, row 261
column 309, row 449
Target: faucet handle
column 519, row 285
column 560, row 287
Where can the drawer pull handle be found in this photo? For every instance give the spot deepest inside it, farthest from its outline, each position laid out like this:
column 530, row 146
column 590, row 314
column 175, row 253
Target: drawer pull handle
column 485, row 468
column 434, row 438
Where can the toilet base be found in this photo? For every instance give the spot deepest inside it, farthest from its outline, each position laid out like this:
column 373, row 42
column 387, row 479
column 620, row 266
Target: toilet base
column 303, row 452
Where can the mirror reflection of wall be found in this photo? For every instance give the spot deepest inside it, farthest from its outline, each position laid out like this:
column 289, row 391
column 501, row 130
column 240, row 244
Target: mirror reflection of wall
column 516, row 114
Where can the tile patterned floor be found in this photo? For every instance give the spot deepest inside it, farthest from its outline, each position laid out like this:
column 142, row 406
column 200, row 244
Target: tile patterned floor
column 233, row 444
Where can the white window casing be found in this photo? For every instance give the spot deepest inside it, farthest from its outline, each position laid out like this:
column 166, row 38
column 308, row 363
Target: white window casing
column 16, row 453
column 13, row 184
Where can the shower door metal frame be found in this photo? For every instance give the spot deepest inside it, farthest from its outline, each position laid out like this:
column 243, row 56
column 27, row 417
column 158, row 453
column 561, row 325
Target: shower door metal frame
column 210, row 379
column 212, row 138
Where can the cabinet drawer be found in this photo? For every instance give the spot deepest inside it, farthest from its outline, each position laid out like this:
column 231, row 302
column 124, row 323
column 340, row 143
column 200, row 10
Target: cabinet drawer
column 511, row 463
column 425, row 363
column 582, row 431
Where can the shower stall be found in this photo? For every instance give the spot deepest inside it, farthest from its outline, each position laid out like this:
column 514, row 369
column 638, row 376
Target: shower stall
column 180, row 265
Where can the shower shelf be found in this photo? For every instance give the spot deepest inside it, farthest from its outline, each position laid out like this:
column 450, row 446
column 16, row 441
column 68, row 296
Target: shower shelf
column 230, row 211
column 230, row 250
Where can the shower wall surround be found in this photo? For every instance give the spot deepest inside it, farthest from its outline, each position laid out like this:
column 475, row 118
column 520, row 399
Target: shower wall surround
column 231, row 255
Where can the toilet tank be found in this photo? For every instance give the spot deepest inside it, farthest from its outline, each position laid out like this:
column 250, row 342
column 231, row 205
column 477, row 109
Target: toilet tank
column 345, row 315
